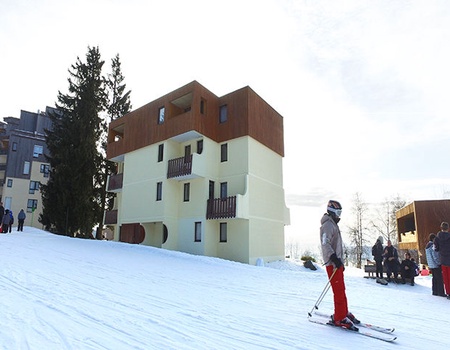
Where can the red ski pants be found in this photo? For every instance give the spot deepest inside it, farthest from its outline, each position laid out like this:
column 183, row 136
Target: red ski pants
column 338, row 286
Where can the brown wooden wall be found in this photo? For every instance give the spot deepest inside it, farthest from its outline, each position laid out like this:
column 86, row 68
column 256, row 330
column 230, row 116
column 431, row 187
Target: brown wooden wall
column 248, row 114
column 427, row 217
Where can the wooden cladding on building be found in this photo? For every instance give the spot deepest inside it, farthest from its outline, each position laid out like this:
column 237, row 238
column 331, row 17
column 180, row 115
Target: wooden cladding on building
column 417, row 220
column 193, row 107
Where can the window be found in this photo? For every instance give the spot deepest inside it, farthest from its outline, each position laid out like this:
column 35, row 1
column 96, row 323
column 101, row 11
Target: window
column 10, row 182
column 223, row 113
column 198, row 231
column 223, row 231
column 224, row 152
column 161, row 113
column 199, row 146
column 34, row 186
column 160, row 152
column 38, row 150
column 26, row 168
column 187, row 153
column 223, row 190
column 45, row 169
column 211, row 189
column 14, row 146
column 159, row 191
column 31, row 205
column 187, row 189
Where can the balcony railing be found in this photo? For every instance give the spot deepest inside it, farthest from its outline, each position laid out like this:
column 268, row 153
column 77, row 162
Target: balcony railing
column 221, row 208
column 115, row 182
column 179, row 167
column 111, row 217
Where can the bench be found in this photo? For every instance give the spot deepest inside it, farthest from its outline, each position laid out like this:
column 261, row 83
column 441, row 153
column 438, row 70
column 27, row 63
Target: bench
column 371, row 270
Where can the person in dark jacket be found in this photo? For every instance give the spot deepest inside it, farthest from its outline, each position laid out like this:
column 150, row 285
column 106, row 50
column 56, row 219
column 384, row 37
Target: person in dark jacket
column 11, row 222
column 390, row 256
column 5, row 221
column 377, row 252
column 442, row 245
column 20, row 220
column 407, row 269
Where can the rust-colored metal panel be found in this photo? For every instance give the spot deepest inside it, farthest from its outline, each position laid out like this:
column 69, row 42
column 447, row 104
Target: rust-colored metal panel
column 132, row 233
column 193, row 107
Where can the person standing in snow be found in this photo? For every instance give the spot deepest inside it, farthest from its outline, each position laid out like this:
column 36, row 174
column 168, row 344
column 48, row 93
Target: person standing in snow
column 20, row 220
column 442, row 245
column 11, row 222
column 377, row 252
column 332, row 253
column 391, row 261
column 434, row 264
column 5, row 221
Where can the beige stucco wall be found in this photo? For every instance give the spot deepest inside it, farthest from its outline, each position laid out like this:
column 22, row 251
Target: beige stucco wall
column 19, row 194
column 253, row 173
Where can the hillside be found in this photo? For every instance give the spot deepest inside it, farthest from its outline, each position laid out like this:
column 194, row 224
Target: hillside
column 65, row 293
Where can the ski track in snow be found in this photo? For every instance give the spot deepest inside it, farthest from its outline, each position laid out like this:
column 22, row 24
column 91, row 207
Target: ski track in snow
column 65, row 293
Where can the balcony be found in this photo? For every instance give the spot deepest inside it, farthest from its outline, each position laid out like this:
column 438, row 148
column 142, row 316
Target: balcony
column 110, row 217
column 185, row 168
column 232, row 207
column 181, row 166
column 115, row 183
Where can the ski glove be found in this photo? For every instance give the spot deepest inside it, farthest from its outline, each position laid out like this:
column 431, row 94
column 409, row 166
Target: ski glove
column 336, row 261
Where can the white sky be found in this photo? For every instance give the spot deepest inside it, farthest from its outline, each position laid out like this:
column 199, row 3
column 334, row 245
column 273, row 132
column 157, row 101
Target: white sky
column 362, row 85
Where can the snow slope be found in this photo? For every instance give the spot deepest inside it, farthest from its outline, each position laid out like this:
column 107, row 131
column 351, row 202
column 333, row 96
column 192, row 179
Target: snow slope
column 58, row 292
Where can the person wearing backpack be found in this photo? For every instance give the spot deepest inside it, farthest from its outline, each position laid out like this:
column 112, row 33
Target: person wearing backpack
column 377, row 252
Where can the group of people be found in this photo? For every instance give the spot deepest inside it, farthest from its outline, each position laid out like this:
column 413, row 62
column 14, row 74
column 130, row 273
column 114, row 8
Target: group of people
column 333, row 255
column 388, row 256
column 437, row 252
column 7, row 219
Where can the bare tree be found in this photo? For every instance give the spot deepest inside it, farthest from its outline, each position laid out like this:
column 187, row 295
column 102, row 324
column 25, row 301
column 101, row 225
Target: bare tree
column 357, row 232
column 385, row 222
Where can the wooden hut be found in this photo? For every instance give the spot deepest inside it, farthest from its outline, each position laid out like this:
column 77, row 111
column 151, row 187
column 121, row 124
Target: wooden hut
column 417, row 220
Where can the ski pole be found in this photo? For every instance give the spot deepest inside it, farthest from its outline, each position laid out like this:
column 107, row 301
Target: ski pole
column 322, row 295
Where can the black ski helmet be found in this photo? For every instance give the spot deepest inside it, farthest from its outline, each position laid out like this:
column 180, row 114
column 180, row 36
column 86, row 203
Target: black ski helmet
column 334, row 208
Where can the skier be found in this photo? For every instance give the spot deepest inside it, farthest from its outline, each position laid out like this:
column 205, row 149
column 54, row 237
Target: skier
column 332, row 253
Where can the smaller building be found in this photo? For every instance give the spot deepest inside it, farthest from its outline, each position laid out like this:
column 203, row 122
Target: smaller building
column 417, row 220
column 23, row 166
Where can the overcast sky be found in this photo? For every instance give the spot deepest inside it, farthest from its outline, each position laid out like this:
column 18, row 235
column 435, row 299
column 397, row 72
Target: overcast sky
column 362, row 85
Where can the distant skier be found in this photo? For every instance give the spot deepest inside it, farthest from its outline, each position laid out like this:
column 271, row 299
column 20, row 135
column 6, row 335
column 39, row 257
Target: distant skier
column 332, row 252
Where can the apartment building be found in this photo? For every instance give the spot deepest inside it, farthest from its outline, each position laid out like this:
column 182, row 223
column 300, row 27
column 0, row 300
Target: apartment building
column 23, row 166
column 200, row 174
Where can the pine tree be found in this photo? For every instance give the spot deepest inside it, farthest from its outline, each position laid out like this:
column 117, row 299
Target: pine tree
column 70, row 198
column 118, row 104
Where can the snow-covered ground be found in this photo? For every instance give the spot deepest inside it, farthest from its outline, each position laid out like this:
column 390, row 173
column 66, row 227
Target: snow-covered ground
column 58, row 292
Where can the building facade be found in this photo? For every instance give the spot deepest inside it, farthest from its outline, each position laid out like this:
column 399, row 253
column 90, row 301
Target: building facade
column 23, row 167
column 200, row 174
column 416, row 221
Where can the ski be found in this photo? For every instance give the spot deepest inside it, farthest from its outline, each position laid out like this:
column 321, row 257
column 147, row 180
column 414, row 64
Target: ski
column 362, row 331
column 362, row 324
